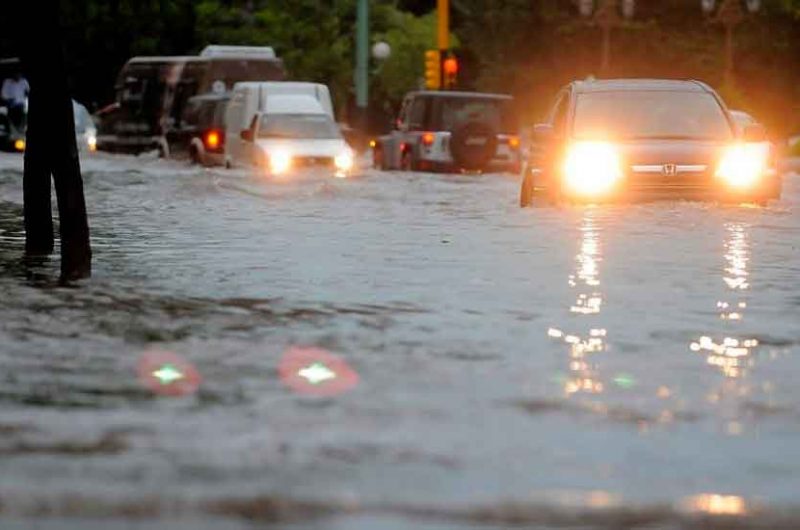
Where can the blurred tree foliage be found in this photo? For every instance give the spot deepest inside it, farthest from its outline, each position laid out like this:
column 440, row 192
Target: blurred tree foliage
column 526, row 47
column 532, row 48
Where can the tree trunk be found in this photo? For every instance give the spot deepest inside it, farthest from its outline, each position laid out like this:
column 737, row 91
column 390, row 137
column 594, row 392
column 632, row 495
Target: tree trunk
column 51, row 148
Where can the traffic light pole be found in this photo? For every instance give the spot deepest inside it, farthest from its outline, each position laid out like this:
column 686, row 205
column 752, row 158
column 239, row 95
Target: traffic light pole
column 443, row 25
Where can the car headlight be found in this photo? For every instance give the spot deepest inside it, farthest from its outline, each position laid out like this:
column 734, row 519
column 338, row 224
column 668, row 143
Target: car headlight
column 91, row 141
column 344, row 161
column 279, row 161
column 742, row 165
column 592, row 168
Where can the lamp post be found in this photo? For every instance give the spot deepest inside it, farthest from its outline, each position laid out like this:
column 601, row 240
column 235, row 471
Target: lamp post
column 608, row 18
column 730, row 14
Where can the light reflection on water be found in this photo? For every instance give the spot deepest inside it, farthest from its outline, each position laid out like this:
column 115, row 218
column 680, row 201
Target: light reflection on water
column 585, row 280
column 732, row 354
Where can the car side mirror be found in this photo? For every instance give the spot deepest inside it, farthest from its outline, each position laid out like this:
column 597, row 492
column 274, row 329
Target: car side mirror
column 247, row 135
column 543, row 132
column 754, row 133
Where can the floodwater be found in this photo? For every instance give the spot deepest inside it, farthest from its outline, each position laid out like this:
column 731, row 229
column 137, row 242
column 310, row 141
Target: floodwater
column 486, row 366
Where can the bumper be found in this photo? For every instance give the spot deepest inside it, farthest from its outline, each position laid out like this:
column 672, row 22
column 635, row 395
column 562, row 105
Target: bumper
column 769, row 188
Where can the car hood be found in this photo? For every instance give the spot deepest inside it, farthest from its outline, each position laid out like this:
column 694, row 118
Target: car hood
column 316, row 148
column 659, row 152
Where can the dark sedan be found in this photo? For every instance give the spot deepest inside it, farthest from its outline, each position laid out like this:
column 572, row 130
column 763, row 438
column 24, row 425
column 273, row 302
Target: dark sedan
column 631, row 138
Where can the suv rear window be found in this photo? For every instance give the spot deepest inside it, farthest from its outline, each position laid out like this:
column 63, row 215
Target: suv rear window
column 649, row 114
column 449, row 113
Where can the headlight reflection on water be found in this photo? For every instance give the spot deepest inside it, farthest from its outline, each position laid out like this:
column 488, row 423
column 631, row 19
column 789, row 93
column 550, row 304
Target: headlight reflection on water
column 583, row 376
column 731, row 355
column 316, row 372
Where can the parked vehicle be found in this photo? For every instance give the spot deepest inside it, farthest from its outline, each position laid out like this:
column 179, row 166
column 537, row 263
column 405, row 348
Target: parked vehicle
column 618, row 139
column 12, row 120
column 452, row 131
column 201, row 134
column 152, row 92
column 12, row 135
column 279, row 127
column 742, row 119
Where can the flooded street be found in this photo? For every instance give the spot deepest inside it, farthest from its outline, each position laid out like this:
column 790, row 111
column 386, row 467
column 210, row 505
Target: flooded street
column 581, row 367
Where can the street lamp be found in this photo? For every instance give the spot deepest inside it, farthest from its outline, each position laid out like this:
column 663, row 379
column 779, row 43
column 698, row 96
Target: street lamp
column 729, row 15
column 607, row 17
column 381, row 50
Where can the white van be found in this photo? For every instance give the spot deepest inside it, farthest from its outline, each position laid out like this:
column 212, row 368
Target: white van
column 282, row 127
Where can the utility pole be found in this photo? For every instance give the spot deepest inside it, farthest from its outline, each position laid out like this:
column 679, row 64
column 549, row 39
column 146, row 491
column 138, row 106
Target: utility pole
column 362, row 62
column 730, row 15
column 608, row 19
column 443, row 25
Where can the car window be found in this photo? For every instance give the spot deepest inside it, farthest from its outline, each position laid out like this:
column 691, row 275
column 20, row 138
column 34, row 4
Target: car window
column 653, row 114
column 416, row 118
column 298, row 126
column 402, row 116
column 454, row 112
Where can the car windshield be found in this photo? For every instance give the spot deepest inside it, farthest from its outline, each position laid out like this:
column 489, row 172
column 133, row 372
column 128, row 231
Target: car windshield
column 456, row 111
column 651, row 114
column 298, row 126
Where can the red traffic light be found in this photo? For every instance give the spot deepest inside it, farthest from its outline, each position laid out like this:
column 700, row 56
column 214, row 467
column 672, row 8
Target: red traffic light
column 450, row 66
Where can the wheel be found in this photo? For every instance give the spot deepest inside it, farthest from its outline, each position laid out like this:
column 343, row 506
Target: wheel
column 194, row 156
column 526, row 191
column 163, row 149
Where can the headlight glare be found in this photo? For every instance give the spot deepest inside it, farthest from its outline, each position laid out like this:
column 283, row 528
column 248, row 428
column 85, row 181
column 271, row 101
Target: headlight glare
column 344, row 161
column 592, row 168
column 279, row 161
column 742, row 165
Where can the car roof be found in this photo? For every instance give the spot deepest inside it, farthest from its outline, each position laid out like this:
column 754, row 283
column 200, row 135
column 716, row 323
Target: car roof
column 618, row 85
column 457, row 94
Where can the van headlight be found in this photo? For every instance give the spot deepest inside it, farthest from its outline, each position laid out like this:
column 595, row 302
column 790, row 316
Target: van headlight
column 280, row 161
column 592, row 168
column 91, row 141
column 742, row 165
column 344, row 161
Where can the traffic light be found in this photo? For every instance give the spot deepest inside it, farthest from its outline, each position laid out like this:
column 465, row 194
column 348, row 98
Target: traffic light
column 450, row 72
column 433, row 72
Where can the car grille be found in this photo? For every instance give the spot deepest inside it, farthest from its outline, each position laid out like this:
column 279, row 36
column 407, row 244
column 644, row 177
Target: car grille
column 679, row 176
column 313, row 161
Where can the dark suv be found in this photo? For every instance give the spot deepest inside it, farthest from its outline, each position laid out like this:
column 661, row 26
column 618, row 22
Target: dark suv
column 452, row 131
column 201, row 133
column 618, row 139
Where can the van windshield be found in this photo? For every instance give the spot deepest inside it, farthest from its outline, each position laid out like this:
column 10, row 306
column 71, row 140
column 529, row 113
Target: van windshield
column 298, row 126
column 231, row 71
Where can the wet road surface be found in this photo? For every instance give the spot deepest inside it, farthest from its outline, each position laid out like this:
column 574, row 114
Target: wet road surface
column 587, row 367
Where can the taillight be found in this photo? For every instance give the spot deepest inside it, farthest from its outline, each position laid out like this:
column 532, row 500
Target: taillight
column 427, row 139
column 212, row 140
column 513, row 142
